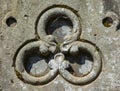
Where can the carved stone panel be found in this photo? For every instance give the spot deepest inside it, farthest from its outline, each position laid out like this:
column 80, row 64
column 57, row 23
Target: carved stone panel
column 67, row 45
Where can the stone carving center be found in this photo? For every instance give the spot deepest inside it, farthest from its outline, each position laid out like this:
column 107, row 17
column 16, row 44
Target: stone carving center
column 59, row 50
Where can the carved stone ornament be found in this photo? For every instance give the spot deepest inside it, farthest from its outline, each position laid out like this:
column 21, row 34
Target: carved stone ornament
column 58, row 51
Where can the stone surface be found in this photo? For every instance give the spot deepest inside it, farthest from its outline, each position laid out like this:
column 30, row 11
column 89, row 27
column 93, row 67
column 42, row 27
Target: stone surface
column 17, row 33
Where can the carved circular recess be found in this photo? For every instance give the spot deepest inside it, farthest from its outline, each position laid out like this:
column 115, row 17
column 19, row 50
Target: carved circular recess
column 80, row 64
column 59, row 23
column 32, row 65
column 84, row 66
column 35, row 63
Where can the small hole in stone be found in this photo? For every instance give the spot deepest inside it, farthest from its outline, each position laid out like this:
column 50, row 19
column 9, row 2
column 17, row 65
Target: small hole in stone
column 95, row 34
column 59, row 26
column 81, row 64
column 25, row 15
column 11, row 81
column 107, row 21
column 11, row 21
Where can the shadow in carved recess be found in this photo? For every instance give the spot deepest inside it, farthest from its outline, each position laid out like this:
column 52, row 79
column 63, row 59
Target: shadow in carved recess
column 118, row 27
column 35, row 63
column 59, row 26
column 80, row 64
column 16, row 53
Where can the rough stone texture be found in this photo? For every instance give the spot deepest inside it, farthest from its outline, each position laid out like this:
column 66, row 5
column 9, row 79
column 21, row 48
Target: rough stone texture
column 91, row 12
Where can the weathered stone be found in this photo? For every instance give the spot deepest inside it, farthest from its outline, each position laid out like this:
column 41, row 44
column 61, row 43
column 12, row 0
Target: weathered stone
column 59, row 45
